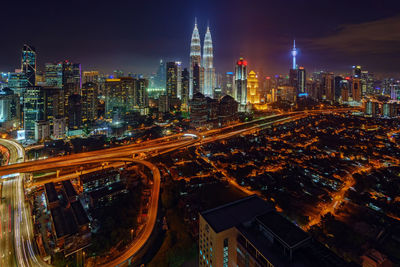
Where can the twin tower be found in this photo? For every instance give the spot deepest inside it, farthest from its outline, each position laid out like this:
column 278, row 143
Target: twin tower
column 202, row 72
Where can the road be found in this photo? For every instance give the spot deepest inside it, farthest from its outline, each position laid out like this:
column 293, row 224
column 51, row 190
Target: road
column 17, row 240
column 13, row 188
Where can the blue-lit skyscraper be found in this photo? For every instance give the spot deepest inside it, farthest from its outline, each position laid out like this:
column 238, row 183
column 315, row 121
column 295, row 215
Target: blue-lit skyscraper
column 195, row 61
column 33, row 109
column 294, row 54
column 209, row 71
column 28, row 64
column 17, row 82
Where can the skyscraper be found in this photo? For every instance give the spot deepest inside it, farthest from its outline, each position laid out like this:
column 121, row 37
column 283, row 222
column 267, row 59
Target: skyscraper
column 91, row 76
column 9, row 106
column 357, row 71
column 185, row 88
column 17, row 82
column 178, row 79
column 356, row 90
column 28, row 64
column 72, row 82
column 33, row 109
column 172, row 79
column 89, row 102
column 74, row 111
column 301, row 81
column 328, row 85
column 54, row 74
column 209, row 71
column 294, row 54
column 241, row 81
column 195, row 60
column 159, row 81
column 253, row 94
column 141, row 99
column 227, row 84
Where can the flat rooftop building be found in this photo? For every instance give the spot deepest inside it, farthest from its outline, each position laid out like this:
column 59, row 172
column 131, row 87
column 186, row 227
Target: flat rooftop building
column 249, row 232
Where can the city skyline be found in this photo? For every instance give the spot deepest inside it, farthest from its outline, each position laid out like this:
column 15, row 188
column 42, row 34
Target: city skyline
column 138, row 50
column 226, row 133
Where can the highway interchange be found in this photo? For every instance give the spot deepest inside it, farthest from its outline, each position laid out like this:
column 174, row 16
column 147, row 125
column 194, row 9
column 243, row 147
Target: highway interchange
column 16, row 238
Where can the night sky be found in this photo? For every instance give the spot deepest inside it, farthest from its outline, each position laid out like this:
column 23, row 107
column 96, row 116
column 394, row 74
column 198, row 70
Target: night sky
column 134, row 35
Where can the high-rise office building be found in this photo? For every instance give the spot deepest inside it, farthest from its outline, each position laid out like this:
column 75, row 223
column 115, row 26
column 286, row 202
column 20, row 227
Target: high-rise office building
column 89, row 102
column 90, row 76
column 118, row 74
column 356, row 90
column 367, row 82
column 125, row 94
column 74, row 111
column 328, row 86
column 33, row 109
column 301, row 81
column 28, row 64
column 338, row 88
column 72, row 82
column 209, row 71
column 293, row 78
column 159, row 79
column 394, row 90
column 253, row 94
column 185, row 88
column 54, row 75
column 227, row 84
column 117, row 91
column 141, row 98
column 17, row 82
column 72, row 75
column 178, row 79
column 195, row 62
column 172, row 79
column 241, row 81
column 9, row 106
column 53, row 104
column 357, row 71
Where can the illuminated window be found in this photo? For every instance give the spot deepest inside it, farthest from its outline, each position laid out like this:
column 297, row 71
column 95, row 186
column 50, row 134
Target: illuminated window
column 225, row 253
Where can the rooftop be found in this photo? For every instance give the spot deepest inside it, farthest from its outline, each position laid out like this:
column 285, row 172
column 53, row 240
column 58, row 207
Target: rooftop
column 69, row 188
column 235, row 213
column 282, row 229
column 80, row 214
column 51, row 192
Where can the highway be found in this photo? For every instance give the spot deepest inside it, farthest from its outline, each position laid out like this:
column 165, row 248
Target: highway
column 17, row 240
column 22, row 251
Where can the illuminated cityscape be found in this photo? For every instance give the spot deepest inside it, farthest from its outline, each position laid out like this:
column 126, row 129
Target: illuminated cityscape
column 148, row 140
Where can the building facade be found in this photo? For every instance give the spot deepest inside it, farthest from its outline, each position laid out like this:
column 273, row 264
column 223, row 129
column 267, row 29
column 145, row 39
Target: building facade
column 28, row 64
column 241, row 81
column 253, row 93
column 195, row 62
column 208, row 65
column 33, row 109
column 250, row 233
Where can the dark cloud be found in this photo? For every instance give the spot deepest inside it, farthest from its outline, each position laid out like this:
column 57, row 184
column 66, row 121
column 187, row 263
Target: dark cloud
column 376, row 37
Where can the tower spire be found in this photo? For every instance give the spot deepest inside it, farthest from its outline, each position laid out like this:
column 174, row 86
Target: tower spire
column 195, row 60
column 294, row 54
